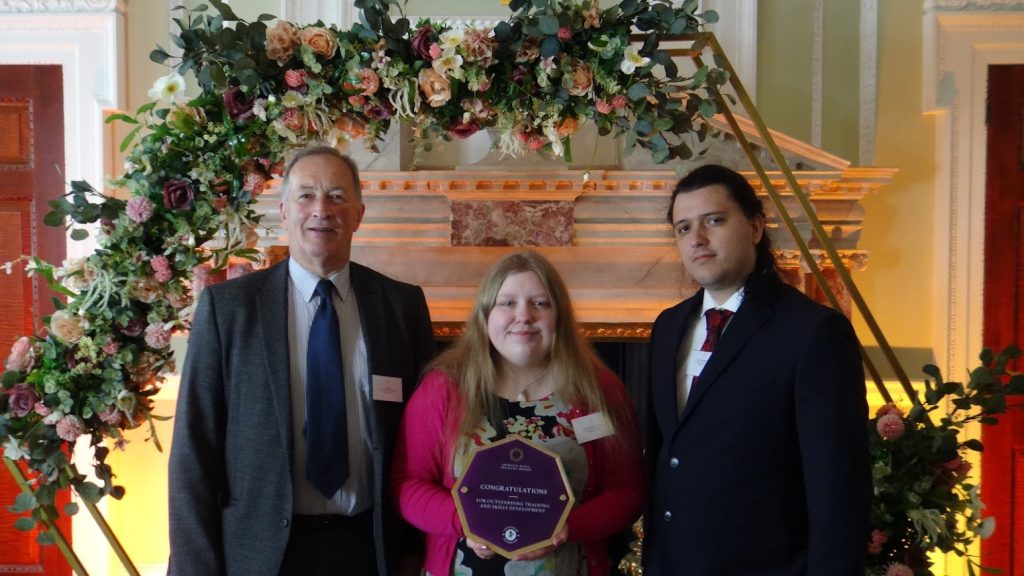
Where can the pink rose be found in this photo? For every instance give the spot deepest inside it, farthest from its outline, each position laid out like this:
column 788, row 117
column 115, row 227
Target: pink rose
column 178, row 194
column 111, row 347
column 890, row 427
column 23, row 355
column 603, row 106
column 70, row 427
column 435, row 51
column 21, row 399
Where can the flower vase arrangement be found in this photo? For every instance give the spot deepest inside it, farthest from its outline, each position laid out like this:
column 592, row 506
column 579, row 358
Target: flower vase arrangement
column 196, row 165
column 924, row 499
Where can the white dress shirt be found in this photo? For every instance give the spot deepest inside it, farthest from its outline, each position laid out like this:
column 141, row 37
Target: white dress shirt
column 694, row 339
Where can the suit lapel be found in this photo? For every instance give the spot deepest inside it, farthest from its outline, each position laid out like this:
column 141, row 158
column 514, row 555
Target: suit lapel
column 752, row 314
column 666, row 364
column 272, row 306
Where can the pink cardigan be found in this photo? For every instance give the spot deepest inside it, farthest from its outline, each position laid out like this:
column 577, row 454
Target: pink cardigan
column 422, row 476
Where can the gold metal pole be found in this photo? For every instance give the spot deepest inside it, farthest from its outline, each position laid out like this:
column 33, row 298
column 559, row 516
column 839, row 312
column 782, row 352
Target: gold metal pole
column 51, row 527
column 104, row 527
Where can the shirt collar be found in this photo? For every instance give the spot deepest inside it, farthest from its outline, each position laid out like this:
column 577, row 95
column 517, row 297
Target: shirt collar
column 306, row 281
column 731, row 304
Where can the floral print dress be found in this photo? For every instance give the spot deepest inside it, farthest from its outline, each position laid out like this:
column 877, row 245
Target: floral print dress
column 547, row 423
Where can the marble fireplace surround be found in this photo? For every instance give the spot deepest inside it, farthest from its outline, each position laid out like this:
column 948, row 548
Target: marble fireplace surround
column 605, row 231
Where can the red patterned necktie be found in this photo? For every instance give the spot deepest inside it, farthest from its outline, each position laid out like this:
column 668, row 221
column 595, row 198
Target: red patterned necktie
column 716, row 319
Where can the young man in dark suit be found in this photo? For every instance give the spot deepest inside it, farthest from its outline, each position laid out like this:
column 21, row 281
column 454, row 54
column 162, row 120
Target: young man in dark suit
column 757, row 444
column 290, row 398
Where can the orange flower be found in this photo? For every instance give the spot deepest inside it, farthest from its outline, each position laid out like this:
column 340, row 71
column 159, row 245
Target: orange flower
column 320, row 40
column 351, row 126
column 568, row 125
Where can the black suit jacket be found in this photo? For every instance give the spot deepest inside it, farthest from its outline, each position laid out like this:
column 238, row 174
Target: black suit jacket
column 230, row 482
column 767, row 471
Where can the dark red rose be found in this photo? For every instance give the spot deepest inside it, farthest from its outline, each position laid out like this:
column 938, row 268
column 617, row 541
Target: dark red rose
column 464, row 130
column 178, row 194
column 21, row 399
column 133, row 327
column 421, row 42
column 238, row 104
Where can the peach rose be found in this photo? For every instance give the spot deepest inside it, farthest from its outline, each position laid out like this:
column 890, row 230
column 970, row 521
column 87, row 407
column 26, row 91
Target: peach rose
column 582, row 78
column 23, row 355
column 528, row 51
column 66, row 326
column 592, row 16
column 435, row 87
column 281, row 42
column 366, row 81
column 320, row 40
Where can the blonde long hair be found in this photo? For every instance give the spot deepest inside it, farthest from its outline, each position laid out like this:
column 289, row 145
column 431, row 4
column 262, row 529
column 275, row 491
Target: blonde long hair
column 472, row 360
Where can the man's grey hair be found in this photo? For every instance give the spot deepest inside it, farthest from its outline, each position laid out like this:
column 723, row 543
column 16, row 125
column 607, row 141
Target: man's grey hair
column 320, row 150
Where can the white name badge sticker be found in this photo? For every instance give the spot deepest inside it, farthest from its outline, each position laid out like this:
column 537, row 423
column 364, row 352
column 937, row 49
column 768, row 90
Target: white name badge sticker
column 387, row 388
column 592, row 427
column 695, row 365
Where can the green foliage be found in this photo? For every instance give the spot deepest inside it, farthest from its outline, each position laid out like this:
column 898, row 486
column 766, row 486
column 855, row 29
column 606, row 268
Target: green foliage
column 924, row 497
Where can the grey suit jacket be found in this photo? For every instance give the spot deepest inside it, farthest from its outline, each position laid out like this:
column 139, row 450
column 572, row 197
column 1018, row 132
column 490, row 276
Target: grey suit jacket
column 230, row 484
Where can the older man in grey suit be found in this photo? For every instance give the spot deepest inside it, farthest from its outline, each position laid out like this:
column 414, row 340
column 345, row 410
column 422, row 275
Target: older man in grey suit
column 256, row 485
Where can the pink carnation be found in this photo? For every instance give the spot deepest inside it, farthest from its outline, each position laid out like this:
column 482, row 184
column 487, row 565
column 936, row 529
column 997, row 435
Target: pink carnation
column 111, row 415
column 619, row 102
column 139, row 209
column 434, row 51
column 891, row 427
column 889, row 408
column 295, row 78
column 157, row 336
column 897, row 569
column 70, row 428
column 564, row 34
column 161, row 268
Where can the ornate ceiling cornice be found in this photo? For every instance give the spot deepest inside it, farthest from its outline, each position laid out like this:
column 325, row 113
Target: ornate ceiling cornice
column 967, row 5
column 61, row 6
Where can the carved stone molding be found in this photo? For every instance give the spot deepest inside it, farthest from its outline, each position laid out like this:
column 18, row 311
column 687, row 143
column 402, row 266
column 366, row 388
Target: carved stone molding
column 30, row 6
column 938, row 5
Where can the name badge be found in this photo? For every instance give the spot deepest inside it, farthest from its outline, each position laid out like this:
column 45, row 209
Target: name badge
column 592, row 427
column 695, row 365
column 387, row 388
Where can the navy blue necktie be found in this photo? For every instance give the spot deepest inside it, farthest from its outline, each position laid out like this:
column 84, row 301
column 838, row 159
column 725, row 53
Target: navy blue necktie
column 326, row 426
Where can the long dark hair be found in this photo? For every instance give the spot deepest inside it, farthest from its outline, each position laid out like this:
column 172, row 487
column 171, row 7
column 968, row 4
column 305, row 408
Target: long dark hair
column 743, row 194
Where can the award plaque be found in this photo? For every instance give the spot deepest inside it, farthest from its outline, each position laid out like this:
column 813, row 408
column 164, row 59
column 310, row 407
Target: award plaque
column 514, row 496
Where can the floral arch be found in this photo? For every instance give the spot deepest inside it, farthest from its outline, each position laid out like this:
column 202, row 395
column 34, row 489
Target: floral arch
column 195, row 168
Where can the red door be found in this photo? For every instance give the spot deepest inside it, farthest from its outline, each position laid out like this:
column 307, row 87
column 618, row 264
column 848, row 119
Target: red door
column 31, row 151
column 1002, row 483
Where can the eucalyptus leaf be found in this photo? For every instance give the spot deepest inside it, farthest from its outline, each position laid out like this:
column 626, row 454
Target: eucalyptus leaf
column 25, row 523
column 45, row 538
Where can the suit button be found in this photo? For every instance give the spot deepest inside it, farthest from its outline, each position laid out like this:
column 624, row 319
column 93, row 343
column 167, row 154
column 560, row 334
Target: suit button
column 673, row 462
column 667, row 515
column 285, row 522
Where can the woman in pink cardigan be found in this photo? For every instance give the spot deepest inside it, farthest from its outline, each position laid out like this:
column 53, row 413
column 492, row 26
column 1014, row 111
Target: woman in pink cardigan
column 521, row 367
